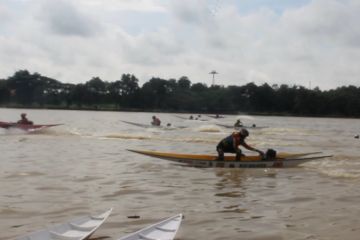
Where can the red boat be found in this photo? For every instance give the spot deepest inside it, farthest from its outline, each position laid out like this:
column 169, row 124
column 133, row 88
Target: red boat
column 26, row 127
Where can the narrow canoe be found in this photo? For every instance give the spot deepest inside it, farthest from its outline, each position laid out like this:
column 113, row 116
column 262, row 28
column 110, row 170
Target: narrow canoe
column 139, row 124
column 164, row 230
column 26, row 127
column 244, row 126
column 153, row 126
column 77, row 229
column 196, row 160
column 216, row 116
column 194, row 118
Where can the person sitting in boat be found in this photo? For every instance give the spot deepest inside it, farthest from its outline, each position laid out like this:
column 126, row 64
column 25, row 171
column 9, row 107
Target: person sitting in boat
column 231, row 144
column 24, row 120
column 238, row 123
column 155, row 121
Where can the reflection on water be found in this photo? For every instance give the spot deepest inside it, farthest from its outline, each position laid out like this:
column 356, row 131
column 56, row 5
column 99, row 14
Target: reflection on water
column 83, row 167
column 230, row 177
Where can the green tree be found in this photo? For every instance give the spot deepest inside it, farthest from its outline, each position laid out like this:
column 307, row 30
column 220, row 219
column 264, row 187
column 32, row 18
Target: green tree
column 4, row 92
column 23, row 84
column 154, row 93
column 95, row 91
column 184, row 83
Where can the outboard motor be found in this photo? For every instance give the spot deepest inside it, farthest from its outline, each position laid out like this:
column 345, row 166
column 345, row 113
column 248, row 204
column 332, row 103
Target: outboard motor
column 270, row 154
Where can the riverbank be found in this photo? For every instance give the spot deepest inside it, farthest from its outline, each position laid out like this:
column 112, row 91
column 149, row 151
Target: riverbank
column 114, row 108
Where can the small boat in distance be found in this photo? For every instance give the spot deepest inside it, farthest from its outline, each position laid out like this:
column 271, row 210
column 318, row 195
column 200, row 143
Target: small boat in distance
column 165, row 127
column 216, row 116
column 26, row 127
column 164, row 230
column 77, row 229
column 192, row 118
column 242, row 126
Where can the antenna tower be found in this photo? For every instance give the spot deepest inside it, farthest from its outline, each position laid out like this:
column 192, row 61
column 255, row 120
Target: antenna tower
column 213, row 76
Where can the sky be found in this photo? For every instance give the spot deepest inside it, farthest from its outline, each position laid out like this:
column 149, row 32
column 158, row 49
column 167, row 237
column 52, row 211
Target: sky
column 311, row 43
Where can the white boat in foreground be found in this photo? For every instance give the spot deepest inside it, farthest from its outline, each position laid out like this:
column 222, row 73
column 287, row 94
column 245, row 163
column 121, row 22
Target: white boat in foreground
column 77, row 229
column 164, row 230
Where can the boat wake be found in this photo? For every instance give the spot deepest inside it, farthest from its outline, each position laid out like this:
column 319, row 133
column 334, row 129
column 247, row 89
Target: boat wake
column 158, row 138
column 208, row 128
column 340, row 166
column 128, row 136
column 59, row 131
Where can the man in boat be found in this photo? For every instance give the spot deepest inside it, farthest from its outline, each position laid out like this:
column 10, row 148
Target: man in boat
column 24, row 120
column 155, row 121
column 231, row 144
column 238, row 124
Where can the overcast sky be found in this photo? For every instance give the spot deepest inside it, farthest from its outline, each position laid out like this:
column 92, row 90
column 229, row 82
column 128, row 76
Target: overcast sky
column 303, row 42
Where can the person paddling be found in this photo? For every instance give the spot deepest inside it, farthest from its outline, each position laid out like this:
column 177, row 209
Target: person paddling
column 24, row 120
column 155, row 121
column 231, row 144
column 238, row 124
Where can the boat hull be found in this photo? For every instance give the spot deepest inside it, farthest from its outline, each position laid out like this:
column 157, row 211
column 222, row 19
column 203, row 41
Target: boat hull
column 205, row 161
column 26, row 127
column 153, row 126
column 164, row 230
column 76, row 229
column 244, row 126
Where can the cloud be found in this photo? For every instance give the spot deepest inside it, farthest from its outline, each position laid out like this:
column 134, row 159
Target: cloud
column 125, row 5
column 317, row 41
column 161, row 47
column 328, row 21
column 4, row 13
column 63, row 18
column 190, row 12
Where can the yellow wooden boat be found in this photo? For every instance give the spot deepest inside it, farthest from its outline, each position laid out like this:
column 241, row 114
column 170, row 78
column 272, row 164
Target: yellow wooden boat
column 199, row 160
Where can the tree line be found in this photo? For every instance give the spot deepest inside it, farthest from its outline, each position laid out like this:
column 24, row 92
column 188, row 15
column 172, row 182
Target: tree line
column 24, row 89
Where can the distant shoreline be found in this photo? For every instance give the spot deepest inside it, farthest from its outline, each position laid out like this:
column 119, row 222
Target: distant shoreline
column 107, row 109
column 24, row 89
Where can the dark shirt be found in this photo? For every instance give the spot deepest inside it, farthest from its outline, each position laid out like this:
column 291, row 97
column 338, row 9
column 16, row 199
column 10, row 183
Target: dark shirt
column 25, row 122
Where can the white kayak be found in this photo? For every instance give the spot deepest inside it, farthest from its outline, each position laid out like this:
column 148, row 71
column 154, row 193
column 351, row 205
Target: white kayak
column 164, row 230
column 77, row 229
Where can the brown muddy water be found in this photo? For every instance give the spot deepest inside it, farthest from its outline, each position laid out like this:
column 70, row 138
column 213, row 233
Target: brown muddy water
column 83, row 167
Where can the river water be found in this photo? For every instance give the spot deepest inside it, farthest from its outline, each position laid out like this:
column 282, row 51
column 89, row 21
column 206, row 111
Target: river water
column 83, row 167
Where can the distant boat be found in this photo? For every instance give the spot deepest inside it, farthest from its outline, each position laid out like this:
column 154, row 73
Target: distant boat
column 243, row 126
column 26, row 127
column 216, row 116
column 194, row 118
column 166, row 127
